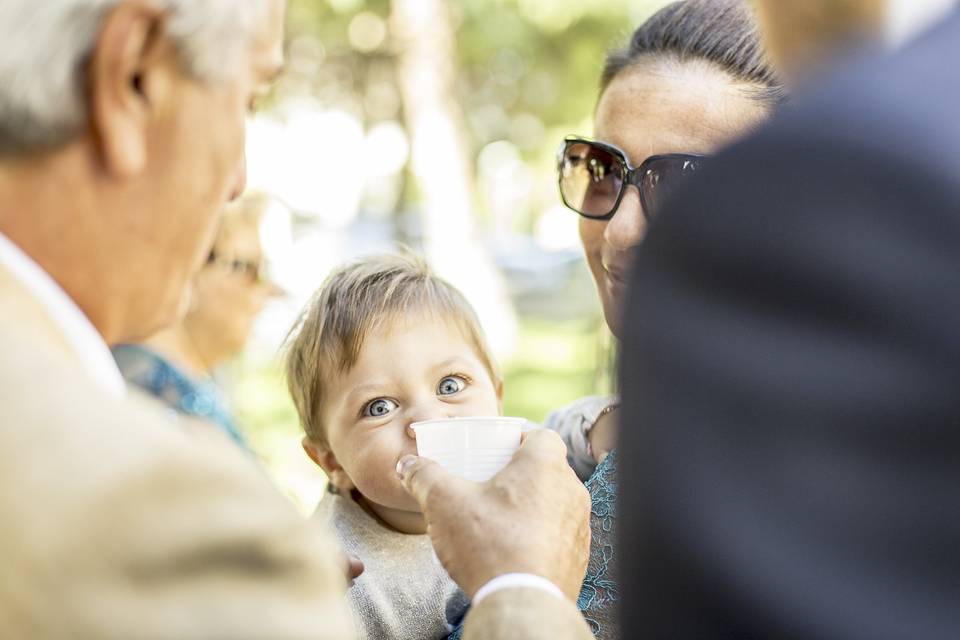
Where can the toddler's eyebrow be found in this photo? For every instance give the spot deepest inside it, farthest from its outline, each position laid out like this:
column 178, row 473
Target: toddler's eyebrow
column 362, row 391
column 450, row 362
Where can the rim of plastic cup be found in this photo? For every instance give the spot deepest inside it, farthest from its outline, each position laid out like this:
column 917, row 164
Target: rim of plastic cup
column 492, row 420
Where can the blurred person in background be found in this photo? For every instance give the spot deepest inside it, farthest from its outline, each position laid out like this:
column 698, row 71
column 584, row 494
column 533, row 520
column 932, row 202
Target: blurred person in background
column 177, row 364
column 121, row 139
column 693, row 79
column 791, row 363
column 804, row 36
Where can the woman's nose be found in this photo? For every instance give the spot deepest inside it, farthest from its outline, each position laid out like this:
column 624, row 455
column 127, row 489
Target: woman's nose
column 628, row 225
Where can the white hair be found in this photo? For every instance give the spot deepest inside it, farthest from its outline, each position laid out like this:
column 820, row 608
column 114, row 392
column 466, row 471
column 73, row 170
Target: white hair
column 45, row 44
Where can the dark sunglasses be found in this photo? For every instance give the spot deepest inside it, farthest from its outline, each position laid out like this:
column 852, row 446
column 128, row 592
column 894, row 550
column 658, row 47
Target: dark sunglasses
column 594, row 176
column 250, row 269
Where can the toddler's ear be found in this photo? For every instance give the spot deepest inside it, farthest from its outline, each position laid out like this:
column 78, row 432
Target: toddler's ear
column 326, row 460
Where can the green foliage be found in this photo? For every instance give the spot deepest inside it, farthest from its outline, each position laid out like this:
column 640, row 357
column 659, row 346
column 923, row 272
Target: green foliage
column 525, row 56
column 521, row 62
column 554, row 365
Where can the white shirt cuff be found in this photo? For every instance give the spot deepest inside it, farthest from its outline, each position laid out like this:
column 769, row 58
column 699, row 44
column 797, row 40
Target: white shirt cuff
column 517, row 581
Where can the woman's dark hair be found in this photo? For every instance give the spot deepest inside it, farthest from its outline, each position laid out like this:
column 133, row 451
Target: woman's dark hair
column 723, row 32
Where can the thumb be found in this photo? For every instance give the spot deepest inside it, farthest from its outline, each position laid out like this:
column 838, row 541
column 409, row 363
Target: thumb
column 355, row 567
column 421, row 477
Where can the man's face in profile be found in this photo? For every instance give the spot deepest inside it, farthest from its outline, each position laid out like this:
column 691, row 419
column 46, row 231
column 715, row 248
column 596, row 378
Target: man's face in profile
column 197, row 165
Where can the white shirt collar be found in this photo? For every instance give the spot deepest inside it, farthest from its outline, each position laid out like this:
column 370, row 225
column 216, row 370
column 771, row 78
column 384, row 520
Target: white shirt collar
column 76, row 328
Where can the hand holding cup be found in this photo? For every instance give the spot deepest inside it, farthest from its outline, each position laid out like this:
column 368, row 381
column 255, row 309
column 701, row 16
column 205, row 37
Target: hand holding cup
column 531, row 517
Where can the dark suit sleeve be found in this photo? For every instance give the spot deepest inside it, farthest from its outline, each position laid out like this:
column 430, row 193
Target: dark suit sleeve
column 791, row 383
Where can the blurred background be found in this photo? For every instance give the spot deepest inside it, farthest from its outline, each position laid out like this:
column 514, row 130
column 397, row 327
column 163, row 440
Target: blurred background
column 433, row 125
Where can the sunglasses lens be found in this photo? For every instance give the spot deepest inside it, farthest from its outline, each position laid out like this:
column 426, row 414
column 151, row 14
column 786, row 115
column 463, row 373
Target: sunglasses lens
column 662, row 178
column 590, row 179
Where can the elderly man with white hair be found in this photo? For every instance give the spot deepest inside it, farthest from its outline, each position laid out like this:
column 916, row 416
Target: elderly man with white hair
column 121, row 137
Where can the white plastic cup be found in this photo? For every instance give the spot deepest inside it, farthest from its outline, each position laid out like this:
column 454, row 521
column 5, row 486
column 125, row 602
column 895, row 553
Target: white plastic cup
column 472, row 448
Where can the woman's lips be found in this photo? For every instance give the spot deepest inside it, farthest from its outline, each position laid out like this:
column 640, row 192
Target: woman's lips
column 616, row 275
column 616, row 286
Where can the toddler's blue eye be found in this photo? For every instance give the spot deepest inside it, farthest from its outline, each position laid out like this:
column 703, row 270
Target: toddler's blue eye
column 451, row 385
column 379, row 408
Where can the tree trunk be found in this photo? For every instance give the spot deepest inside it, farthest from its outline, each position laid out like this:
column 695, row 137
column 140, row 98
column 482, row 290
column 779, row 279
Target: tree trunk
column 441, row 164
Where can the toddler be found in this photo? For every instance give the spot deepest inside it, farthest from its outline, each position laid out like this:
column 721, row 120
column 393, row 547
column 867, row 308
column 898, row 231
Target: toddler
column 383, row 344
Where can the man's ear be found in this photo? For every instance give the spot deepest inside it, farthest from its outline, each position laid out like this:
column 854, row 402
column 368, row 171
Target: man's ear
column 326, row 460
column 128, row 51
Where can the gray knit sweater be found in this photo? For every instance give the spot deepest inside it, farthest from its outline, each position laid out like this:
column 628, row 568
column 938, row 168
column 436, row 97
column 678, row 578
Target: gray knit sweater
column 404, row 592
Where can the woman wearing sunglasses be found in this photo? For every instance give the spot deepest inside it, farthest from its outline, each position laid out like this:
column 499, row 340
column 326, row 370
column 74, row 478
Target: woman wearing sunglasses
column 693, row 79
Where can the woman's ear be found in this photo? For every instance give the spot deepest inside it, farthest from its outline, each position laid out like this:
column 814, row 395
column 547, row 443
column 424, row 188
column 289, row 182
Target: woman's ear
column 326, row 460
column 499, row 389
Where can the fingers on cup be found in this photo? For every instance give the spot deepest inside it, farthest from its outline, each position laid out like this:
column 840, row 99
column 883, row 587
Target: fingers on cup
column 543, row 443
column 424, row 479
column 355, row 567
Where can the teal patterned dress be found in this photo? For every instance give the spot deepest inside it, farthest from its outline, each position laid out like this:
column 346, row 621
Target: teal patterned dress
column 158, row 377
column 600, row 595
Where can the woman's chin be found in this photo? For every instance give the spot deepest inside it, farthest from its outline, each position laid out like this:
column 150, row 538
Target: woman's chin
column 612, row 299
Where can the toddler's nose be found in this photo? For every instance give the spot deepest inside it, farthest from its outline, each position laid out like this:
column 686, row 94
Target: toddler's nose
column 427, row 413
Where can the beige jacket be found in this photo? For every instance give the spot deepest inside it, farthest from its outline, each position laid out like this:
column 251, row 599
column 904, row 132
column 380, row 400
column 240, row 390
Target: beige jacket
column 115, row 524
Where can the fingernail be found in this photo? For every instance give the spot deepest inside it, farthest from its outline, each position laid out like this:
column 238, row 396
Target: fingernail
column 404, row 464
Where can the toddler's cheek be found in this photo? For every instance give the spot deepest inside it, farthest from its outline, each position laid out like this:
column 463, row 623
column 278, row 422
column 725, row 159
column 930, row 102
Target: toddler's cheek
column 378, row 481
column 381, row 485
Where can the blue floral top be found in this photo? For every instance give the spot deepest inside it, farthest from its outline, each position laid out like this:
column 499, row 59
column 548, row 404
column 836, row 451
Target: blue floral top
column 158, row 377
column 600, row 595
